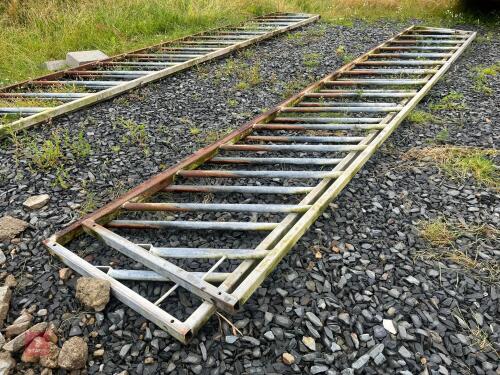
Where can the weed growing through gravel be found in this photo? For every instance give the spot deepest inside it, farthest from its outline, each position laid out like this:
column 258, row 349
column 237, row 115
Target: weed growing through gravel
column 483, row 76
column 312, row 60
column 232, row 102
column 135, row 133
column 194, row 131
column 437, row 232
column 420, row 117
column 78, row 145
column 452, row 101
column 90, row 203
column 460, row 162
column 292, row 87
column 248, row 75
column 442, row 136
column 48, row 155
column 442, row 234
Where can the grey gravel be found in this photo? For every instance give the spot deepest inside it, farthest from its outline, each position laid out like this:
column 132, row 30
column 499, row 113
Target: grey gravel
column 376, row 273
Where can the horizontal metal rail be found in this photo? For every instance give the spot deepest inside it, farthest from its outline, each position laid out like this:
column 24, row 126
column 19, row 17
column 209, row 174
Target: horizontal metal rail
column 205, row 193
column 136, row 68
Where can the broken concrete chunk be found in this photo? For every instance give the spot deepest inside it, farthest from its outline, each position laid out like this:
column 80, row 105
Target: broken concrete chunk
column 10, row 227
column 53, row 65
column 5, row 294
column 78, row 58
column 36, row 201
column 16, row 329
column 25, row 338
column 10, row 281
column 93, row 293
column 7, row 363
column 50, row 333
column 37, row 347
column 288, row 359
column 50, row 356
column 65, row 274
column 73, row 354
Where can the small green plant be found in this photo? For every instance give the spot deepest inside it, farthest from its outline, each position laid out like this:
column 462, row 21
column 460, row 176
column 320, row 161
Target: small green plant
column 420, row 117
column 242, row 85
column 48, row 155
column 347, row 58
column 340, row 50
column 482, row 78
column 442, row 136
column 249, row 76
column 136, row 133
column 293, row 87
column 90, row 203
column 312, row 60
column 232, row 102
column 194, row 131
column 62, row 178
column 452, row 101
column 116, row 149
column 78, row 145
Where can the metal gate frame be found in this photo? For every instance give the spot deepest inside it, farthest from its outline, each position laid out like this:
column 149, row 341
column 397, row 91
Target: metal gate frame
column 169, row 57
column 238, row 286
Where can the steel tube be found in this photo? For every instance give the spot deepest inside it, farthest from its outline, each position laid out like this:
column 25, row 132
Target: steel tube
column 144, row 275
column 347, row 104
column 191, row 225
column 333, row 127
column 213, row 207
column 292, row 161
column 391, row 71
column 314, row 139
column 378, row 82
column 410, row 54
column 402, row 62
column 328, row 120
column 297, row 147
column 238, row 189
column 345, row 94
column 264, row 174
column 23, row 109
column 207, row 253
column 340, row 109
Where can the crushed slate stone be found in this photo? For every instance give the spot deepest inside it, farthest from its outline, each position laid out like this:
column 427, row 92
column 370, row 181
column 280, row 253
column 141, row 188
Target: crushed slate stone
column 340, row 299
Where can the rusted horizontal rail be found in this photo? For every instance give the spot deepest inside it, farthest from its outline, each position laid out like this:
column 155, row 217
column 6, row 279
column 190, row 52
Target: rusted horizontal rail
column 258, row 159
column 110, row 77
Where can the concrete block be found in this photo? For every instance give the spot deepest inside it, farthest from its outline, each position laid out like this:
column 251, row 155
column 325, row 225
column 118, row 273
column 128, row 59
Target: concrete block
column 54, row 65
column 78, row 58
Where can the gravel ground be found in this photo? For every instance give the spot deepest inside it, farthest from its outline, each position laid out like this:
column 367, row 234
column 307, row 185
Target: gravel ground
column 371, row 266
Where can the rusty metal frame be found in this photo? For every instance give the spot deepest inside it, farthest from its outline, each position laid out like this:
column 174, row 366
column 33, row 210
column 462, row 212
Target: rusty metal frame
column 238, row 286
column 125, row 80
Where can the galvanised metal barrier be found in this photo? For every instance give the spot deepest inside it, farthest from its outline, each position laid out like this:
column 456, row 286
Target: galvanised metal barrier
column 27, row 103
column 282, row 155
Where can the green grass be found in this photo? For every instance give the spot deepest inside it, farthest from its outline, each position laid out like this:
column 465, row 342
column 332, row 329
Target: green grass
column 442, row 136
column 420, row 117
column 452, row 101
column 483, row 74
column 135, row 133
column 462, row 162
column 34, row 31
column 311, row 60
